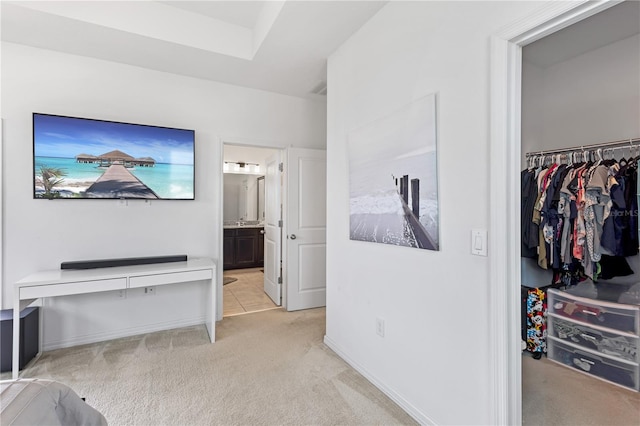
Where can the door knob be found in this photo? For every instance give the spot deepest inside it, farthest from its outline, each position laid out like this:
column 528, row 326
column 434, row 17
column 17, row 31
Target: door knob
column 293, row 236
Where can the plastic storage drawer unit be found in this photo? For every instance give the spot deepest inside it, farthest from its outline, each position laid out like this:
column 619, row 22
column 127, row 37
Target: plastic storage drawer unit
column 604, row 314
column 606, row 368
column 598, row 340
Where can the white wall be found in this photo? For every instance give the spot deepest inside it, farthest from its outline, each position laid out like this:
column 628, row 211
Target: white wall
column 433, row 358
column 39, row 234
column 592, row 98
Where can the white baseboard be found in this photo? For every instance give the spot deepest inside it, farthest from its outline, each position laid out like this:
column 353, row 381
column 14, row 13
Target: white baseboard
column 116, row 334
column 403, row 403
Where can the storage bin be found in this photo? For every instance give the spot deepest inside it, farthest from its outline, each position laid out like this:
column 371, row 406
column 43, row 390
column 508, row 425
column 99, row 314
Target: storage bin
column 603, row 367
column 604, row 314
column 29, row 337
column 602, row 341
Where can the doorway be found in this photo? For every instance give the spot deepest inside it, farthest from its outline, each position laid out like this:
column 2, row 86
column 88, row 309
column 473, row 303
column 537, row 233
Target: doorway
column 505, row 154
column 564, row 106
column 294, row 225
column 245, row 249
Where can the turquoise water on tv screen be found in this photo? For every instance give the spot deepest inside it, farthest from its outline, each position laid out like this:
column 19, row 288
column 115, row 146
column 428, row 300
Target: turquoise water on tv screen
column 168, row 181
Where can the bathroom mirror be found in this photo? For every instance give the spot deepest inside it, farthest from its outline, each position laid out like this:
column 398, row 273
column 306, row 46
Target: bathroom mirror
column 260, row 214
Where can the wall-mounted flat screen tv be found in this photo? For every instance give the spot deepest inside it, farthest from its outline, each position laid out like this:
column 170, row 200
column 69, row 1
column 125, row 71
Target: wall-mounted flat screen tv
column 80, row 158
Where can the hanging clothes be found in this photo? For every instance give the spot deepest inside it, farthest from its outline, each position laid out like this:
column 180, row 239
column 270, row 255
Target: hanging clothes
column 573, row 215
column 528, row 229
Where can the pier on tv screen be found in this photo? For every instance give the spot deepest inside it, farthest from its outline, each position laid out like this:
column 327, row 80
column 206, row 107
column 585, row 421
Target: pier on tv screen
column 77, row 158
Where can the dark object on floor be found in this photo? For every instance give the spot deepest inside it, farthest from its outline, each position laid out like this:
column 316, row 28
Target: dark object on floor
column 29, row 332
column 229, row 280
column 534, row 307
column 614, row 266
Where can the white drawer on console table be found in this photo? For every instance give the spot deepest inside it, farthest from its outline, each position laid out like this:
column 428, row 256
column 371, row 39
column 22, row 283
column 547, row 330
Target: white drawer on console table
column 65, row 289
column 169, row 278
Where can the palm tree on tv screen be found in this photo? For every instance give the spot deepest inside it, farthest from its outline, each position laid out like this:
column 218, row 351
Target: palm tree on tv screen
column 49, row 178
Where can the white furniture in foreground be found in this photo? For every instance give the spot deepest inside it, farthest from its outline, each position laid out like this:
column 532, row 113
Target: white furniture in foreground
column 67, row 282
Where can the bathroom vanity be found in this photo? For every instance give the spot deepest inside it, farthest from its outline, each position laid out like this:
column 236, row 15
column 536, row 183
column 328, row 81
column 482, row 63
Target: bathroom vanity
column 243, row 246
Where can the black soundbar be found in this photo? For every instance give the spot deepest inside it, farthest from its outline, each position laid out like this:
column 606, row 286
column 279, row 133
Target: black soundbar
column 109, row 263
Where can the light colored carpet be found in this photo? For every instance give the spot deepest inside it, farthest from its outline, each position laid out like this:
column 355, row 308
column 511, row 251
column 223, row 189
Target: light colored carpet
column 556, row 395
column 266, row 368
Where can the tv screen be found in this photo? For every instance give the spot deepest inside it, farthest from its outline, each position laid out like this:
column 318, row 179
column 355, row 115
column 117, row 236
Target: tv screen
column 79, row 158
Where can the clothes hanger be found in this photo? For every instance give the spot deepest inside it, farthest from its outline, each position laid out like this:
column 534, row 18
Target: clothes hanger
column 576, row 157
column 596, row 156
column 636, row 148
column 611, row 161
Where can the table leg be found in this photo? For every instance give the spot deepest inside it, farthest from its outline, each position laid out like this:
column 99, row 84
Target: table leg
column 210, row 316
column 15, row 366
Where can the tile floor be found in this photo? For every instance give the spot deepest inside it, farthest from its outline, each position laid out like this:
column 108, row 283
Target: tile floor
column 246, row 294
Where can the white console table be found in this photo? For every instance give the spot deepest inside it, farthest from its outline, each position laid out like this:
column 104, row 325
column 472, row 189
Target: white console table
column 67, row 282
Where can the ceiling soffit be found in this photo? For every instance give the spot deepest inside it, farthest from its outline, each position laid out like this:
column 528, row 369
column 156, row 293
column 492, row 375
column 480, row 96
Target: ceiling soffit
column 167, row 22
column 285, row 51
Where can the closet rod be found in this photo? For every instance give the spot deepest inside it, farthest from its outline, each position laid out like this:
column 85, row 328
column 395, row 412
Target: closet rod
column 620, row 144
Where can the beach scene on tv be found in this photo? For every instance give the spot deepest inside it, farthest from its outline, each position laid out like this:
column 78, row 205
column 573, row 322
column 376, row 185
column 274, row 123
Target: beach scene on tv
column 83, row 158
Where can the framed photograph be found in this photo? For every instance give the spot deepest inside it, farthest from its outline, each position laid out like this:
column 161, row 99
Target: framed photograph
column 393, row 178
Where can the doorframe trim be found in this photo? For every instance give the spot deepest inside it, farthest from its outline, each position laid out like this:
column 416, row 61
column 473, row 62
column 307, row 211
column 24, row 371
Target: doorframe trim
column 505, row 149
column 1, row 216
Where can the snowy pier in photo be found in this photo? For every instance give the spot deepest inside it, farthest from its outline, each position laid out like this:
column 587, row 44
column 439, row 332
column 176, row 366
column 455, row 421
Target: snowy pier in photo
column 388, row 219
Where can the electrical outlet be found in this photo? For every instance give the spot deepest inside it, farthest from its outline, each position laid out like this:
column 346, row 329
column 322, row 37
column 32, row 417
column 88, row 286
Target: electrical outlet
column 122, row 294
column 149, row 291
column 380, row 327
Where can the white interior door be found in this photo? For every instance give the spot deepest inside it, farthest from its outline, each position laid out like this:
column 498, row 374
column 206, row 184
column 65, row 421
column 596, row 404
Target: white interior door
column 273, row 229
column 306, row 228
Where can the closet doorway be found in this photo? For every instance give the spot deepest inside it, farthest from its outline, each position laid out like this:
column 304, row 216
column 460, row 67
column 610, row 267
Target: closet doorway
column 507, row 126
column 580, row 88
column 249, row 201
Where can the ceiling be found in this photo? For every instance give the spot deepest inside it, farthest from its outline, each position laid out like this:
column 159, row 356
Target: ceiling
column 278, row 46
column 609, row 26
column 242, row 13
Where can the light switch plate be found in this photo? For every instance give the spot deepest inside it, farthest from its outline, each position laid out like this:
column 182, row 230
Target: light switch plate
column 479, row 242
